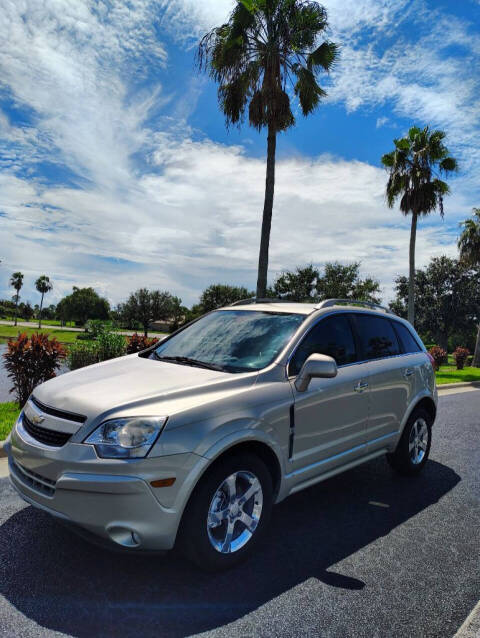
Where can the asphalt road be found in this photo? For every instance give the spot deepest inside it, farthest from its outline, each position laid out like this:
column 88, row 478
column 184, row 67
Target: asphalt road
column 362, row 554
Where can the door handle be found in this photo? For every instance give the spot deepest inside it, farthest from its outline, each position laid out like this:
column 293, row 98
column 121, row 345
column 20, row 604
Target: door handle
column 408, row 372
column 360, row 386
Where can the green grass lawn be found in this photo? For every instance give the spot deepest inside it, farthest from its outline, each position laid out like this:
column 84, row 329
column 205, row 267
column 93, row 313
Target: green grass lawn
column 450, row 374
column 8, row 415
column 65, row 336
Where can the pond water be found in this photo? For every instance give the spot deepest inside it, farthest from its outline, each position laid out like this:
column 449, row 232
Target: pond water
column 6, row 383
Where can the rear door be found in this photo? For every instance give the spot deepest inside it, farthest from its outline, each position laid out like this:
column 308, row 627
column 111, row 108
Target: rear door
column 391, row 383
column 330, row 417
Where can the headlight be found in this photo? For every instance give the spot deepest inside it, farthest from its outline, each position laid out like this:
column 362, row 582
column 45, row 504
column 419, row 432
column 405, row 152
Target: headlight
column 126, row 438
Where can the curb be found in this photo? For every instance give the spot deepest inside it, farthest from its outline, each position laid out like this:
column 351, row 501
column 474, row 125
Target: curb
column 471, row 626
column 462, row 384
column 3, row 453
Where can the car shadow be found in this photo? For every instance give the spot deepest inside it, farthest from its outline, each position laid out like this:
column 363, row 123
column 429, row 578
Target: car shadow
column 65, row 584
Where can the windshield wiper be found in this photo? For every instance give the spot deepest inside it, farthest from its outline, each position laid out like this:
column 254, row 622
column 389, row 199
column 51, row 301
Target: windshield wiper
column 190, row 362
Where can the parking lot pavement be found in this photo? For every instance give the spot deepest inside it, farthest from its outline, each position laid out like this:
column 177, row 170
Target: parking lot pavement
column 363, row 554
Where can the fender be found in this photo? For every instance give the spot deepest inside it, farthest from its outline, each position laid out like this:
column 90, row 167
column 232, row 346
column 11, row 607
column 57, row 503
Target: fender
column 423, row 394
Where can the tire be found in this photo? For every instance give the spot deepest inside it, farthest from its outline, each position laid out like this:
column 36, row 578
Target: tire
column 215, row 508
column 413, row 448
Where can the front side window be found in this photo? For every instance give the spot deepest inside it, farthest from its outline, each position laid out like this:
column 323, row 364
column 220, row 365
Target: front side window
column 377, row 337
column 232, row 340
column 331, row 336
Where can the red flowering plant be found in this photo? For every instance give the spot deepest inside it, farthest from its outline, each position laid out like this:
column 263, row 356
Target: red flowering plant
column 31, row 361
column 461, row 355
column 137, row 343
column 439, row 356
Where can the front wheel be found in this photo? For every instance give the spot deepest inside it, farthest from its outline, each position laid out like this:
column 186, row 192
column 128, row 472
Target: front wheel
column 414, row 446
column 228, row 512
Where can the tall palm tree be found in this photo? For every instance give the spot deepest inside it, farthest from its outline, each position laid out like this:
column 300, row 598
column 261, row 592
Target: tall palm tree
column 43, row 285
column 265, row 48
column 16, row 281
column 469, row 246
column 414, row 166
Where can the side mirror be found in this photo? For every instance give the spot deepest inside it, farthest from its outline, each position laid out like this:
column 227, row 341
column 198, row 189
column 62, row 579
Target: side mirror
column 317, row 366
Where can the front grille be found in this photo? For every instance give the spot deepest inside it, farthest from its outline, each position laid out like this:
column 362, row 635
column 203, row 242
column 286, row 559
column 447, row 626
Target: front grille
column 44, row 435
column 32, row 479
column 61, row 414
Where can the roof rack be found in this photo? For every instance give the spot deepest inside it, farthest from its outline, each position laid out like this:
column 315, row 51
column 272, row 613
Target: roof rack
column 326, row 303
column 250, row 300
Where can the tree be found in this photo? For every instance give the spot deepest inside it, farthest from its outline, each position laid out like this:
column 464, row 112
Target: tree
column 447, row 296
column 26, row 311
column 145, row 306
column 469, row 246
column 218, row 295
column 16, row 281
column 265, row 48
column 81, row 305
column 338, row 281
column 413, row 166
column 43, row 285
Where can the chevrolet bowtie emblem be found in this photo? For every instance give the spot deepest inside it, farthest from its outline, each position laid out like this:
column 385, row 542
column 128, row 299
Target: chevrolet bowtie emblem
column 36, row 419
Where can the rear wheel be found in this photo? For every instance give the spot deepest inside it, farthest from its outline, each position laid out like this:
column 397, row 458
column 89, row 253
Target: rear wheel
column 414, row 446
column 228, row 512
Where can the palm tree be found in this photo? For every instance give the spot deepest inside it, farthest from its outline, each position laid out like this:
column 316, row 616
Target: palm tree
column 469, row 246
column 413, row 177
column 265, row 48
column 16, row 281
column 43, row 285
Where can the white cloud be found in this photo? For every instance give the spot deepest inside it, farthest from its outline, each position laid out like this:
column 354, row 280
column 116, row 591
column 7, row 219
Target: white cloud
column 198, row 222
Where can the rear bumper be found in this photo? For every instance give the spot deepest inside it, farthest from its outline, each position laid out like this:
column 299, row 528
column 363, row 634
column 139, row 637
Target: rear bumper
column 112, row 500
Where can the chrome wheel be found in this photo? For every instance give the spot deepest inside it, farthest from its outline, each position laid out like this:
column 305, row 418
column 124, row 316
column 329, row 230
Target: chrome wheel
column 234, row 512
column 418, row 441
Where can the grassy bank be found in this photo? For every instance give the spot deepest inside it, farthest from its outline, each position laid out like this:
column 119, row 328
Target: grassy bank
column 450, row 374
column 65, row 336
column 8, row 415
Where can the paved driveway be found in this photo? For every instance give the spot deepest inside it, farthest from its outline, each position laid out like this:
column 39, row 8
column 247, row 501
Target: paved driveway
column 362, row 554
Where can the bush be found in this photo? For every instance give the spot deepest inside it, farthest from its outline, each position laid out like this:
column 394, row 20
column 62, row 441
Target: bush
column 82, row 354
column 110, row 346
column 137, row 343
column 461, row 355
column 439, row 356
column 96, row 327
column 30, row 362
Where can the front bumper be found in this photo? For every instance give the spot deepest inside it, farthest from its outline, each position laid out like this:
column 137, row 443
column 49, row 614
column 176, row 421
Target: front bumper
column 110, row 498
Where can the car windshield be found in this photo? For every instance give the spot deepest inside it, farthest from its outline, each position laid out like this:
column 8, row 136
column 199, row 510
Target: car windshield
column 231, row 340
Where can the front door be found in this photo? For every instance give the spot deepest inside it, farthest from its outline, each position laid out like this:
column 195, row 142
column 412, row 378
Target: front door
column 330, row 417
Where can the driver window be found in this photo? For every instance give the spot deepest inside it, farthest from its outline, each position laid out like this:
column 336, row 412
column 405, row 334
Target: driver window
column 332, row 336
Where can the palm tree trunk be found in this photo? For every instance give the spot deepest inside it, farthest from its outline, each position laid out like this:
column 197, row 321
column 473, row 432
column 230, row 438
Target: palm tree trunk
column 267, row 213
column 476, row 355
column 40, row 313
column 16, row 307
column 411, row 274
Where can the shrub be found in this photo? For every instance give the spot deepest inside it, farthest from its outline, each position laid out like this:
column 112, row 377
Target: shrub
column 96, row 327
column 137, row 343
column 460, row 355
column 30, row 362
column 82, row 354
column 110, row 346
column 439, row 356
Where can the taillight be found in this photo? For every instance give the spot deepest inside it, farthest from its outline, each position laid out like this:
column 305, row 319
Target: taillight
column 432, row 360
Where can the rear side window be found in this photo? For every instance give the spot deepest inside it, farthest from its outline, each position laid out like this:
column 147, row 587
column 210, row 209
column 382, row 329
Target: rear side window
column 407, row 340
column 377, row 337
column 332, row 336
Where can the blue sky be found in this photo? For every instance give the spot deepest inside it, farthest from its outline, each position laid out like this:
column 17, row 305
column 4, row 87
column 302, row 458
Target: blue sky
column 117, row 170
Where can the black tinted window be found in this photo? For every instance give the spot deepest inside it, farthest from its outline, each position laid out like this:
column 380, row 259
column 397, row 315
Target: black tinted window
column 377, row 337
column 331, row 336
column 406, row 338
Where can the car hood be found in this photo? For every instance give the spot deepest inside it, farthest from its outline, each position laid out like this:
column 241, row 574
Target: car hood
column 136, row 385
